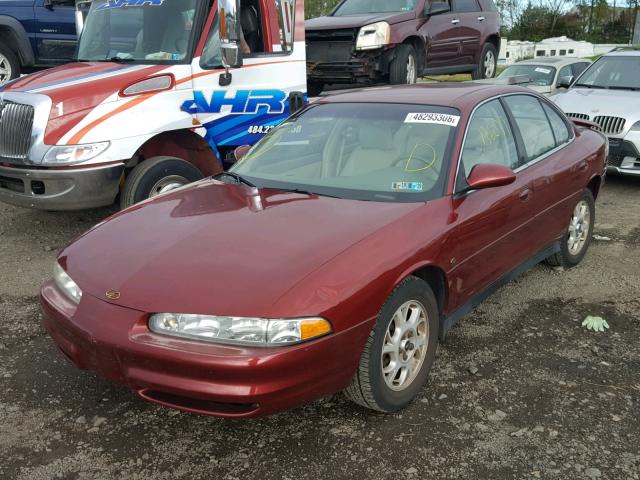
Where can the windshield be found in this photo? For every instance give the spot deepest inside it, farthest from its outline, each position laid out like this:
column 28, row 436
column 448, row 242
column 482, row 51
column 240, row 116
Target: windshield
column 359, row 7
column 612, row 72
column 382, row 152
column 538, row 74
column 159, row 31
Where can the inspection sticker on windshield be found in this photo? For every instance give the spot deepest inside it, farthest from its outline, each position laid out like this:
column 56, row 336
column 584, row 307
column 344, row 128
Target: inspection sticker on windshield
column 439, row 118
column 546, row 71
column 407, row 186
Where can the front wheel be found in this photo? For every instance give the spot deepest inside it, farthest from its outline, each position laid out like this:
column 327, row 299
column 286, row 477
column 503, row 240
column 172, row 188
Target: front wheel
column 314, row 88
column 404, row 68
column 156, row 176
column 398, row 355
column 488, row 63
column 9, row 64
column 575, row 243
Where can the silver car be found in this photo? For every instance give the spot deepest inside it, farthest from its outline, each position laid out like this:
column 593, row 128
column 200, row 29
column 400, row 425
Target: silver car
column 547, row 74
column 608, row 94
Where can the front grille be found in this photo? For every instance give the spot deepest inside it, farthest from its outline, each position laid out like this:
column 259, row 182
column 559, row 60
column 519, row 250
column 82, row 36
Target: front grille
column 610, row 125
column 579, row 116
column 330, row 45
column 346, row 35
column 16, row 122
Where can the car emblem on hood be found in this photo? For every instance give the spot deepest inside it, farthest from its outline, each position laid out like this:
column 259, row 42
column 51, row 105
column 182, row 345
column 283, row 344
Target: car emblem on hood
column 112, row 295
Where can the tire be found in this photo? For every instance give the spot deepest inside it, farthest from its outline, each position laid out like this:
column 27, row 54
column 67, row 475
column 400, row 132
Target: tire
column 155, row 176
column 404, row 67
column 369, row 386
column 314, row 88
column 9, row 64
column 485, row 69
column 570, row 253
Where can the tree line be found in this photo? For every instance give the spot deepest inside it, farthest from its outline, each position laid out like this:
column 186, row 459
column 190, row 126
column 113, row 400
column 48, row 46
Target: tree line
column 597, row 21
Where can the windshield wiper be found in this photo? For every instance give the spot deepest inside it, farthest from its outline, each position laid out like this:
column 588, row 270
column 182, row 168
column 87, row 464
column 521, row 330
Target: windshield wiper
column 236, row 177
column 620, row 87
column 305, row 192
column 114, row 59
column 590, row 86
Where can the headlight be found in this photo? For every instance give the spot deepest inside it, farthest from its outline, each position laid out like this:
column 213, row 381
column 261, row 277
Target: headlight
column 70, row 154
column 635, row 127
column 66, row 283
column 247, row 331
column 375, row 35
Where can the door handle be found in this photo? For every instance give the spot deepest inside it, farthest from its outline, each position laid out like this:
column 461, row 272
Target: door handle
column 583, row 166
column 455, row 21
column 524, row 194
column 481, row 18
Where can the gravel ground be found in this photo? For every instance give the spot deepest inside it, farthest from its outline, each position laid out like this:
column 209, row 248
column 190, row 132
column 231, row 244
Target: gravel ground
column 519, row 389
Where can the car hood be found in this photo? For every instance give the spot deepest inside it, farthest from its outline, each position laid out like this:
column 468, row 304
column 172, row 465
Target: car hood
column 76, row 88
column 218, row 249
column 595, row 102
column 356, row 21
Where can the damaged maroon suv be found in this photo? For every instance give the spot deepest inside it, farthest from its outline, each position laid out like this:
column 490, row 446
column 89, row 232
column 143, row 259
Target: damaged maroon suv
column 397, row 41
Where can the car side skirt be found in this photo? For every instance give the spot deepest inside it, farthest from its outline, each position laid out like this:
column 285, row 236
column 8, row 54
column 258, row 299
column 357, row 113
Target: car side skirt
column 448, row 322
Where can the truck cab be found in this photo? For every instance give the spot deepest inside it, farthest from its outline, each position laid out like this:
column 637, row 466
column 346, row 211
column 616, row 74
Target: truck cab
column 162, row 93
column 35, row 33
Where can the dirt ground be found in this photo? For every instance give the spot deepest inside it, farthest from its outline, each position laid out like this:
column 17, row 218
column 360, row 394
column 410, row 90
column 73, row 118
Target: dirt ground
column 548, row 399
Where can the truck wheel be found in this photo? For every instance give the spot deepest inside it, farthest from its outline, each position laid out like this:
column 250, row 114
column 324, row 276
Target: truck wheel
column 574, row 245
column 314, row 88
column 404, row 68
column 398, row 355
column 488, row 63
column 155, row 176
column 9, row 64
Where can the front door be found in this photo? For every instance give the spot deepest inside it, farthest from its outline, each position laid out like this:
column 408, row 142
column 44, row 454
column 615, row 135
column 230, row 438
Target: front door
column 443, row 39
column 257, row 97
column 470, row 29
column 56, row 39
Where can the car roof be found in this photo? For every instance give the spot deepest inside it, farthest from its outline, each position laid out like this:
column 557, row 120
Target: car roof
column 623, row 53
column 461, row 95
column 552, row 61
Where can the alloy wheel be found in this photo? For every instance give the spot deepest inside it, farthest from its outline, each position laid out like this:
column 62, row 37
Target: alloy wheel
column 167, row 184
column 489, row 64
column 5, row 69
column 579, row 228
column 405, row 345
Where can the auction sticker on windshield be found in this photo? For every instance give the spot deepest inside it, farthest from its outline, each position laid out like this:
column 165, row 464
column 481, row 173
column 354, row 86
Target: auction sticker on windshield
column 543, row 70
column 438, row 118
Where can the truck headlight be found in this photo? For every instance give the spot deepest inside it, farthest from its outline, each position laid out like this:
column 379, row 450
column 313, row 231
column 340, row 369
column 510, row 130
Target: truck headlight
column 66, row 283
column 375, row 35
column 71, row 154
column 259, row 332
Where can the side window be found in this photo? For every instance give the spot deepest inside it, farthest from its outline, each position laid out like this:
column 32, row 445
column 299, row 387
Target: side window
column 578, row 68
column 463, row 6
column 559, row 126
column 564, row 72
column 489, row 139
column 285, row 11
column 533, row 125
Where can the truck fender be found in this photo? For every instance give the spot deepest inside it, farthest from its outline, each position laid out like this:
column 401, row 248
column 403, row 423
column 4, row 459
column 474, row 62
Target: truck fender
column 19, row 39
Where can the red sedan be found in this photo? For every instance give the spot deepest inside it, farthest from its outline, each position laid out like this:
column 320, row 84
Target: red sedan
column 335, row 253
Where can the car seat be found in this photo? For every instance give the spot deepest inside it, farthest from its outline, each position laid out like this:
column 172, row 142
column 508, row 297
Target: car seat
column 250, row 27
column 375, row 150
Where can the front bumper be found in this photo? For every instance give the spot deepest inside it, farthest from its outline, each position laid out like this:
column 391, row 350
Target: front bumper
column 219, row 380
column 624, row 157
column 68, row 189
column 362, row 68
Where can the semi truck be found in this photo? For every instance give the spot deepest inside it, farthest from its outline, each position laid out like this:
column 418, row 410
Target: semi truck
column 161, row 94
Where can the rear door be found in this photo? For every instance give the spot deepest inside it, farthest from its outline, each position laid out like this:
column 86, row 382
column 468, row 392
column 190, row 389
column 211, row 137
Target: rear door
column 469, row 29
column 443, row 39
column 56, row 39
column 493, row 227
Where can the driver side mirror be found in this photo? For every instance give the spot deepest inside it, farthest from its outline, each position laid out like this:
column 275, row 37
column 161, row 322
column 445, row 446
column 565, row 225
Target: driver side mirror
column 490, row 175
column 230, row 37
column 436, row 7
column 565, row 82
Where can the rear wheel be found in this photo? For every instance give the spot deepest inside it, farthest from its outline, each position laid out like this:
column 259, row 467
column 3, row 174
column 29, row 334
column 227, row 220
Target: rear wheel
column 9, row 64
column 488, row 63
column 156, row 176
column 574, row 245
column 396, row 360
column 404, row 68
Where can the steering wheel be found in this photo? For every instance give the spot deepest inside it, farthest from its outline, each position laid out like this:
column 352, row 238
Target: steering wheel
column 422, row 159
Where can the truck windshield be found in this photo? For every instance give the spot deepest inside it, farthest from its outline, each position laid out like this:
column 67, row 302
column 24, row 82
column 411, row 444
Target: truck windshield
column 373, row 151
column 614, row 72
column 359, row 7
column 156, row 31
